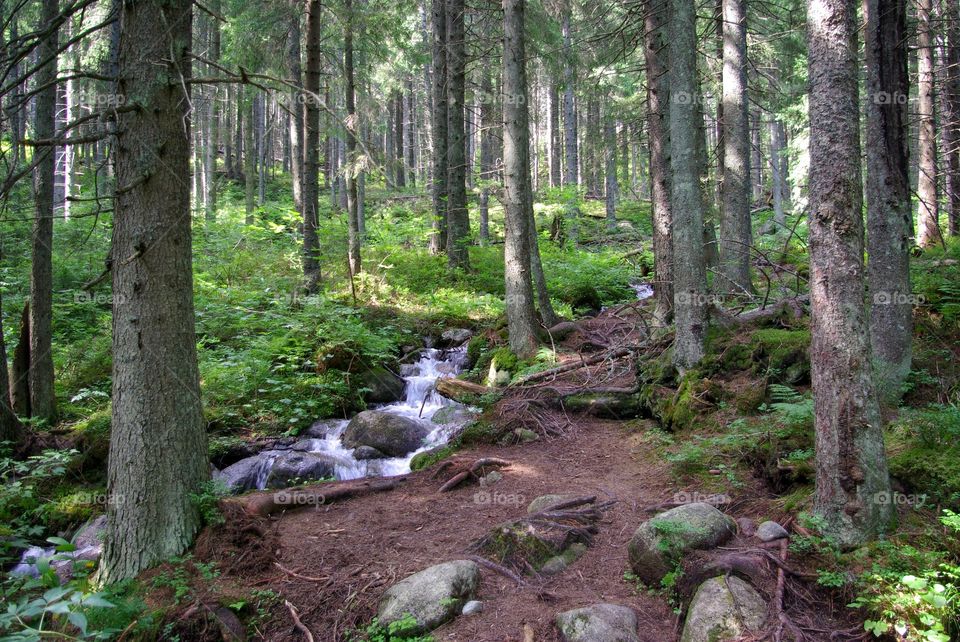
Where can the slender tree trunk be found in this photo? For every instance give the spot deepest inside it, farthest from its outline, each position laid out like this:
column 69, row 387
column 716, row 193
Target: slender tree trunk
column 756, row 162
column 353, row 225
column 438, row 239
column 928, row 230
column 158, row 444
column 398, row 139
column 888, row 194
column 410, row 142
column 735, row 236
column 249, row 153
column 851, row 464
column 458, row 224
column 227, row 134
column 297, row 100
column 777, row 174
column 571, row 163
column 488, row 116
column 42, row 401
column 10, row 428
column 311, row 149
column 556, row 176
column 20, row 368
column 658, row 124
column 516, row 179
column 213, row 120
column 689, row 309
column 610, row 184
column 950, row 118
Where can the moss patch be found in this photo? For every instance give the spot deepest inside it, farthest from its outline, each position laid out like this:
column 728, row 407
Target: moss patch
column 429, row 457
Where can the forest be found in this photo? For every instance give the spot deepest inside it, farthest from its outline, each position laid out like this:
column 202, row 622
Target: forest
column 516, row 321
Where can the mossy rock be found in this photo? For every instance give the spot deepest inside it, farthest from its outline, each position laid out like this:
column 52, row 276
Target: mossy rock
column 934, row 472
column 694, row 398
column 519, row 546
column 475, row 349
column 751, row 398
column 480, row 432
column 430, row 457
column 658, row 371
column 91, row 437
column 783, row 353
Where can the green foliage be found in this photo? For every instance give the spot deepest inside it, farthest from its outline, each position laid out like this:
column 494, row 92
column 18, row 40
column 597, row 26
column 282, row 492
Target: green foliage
column 398, row 631
column 207, row 501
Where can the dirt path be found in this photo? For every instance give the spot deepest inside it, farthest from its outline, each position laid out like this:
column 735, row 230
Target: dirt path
column 367, row 543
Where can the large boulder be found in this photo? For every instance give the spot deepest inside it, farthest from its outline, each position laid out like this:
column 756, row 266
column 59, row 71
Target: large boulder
column 456, row 336
column 659, row 543
column 724, row 608
column 382, row 385
column 294, row 465
column 432, row 596
column 392, row 435
column 243, row 475
column 598, row 623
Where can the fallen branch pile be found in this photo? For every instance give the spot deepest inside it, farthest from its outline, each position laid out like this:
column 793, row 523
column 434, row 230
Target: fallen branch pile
column 475, row 471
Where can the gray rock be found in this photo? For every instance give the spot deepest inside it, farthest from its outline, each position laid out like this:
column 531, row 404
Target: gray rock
column 491, row 478
column 91, row 534
column 559, row 563
column 472, row 607
column 563, row 330
column 392, row 435
column 660, row 543
column 598, row 623
column 383, row 386
column 291, row 466
column 242, row 475
column 747, row 526
column 770, row 531
column 546, row 501
column 433, row 596
column 456, row 336
column 453, row 416
column 367, row 452
column 525, row 435
column 320, row 429
column 724, row 608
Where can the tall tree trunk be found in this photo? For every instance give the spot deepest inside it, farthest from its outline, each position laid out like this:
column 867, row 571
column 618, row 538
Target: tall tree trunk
column 689, row 273
column 521, row 320
column 311, row 148
column 410, row 142
column 297, row 100
column 735, row 236
column 458, row 223
column 20, row 368
column 556, row 177
column 888, row 194
column 353, row 225
column 756, row 162
column 610, row 184
column 928, row 230
column 227, row 134
column 158, row 444
column 10, row 428
column 398, row 139
column 249, row 152
column 213, row 120
column 571, row 163
column 488, row 117
column 778, row 173
column 658, row 124
column 851, row 463
column 42, row 401
column 950, row 118
column 438, row 239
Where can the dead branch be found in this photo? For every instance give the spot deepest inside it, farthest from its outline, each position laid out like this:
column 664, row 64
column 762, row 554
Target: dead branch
column 265, row 503
column 573, row 365
column 473, row 472
column 296, row 621
column 497, row 568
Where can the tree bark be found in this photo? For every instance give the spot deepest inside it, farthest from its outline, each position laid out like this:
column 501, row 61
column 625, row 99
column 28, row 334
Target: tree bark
column 888, row 194
column 851, row 464
column 42, row 400
column 950, row 117
column 297, row 99
column 249, row 153
column 311, row 149
column 658, row 124
column 735, row 234
column 213, row 121
column 556, row 137
column 521, row 321
column 571, row 164
column 778, row 166
column 398, row 139
column 438, row 238
column 10, row 427
column 158, row 445
column 20, row 368
column 689, row 274
column 458, row 223
column 928, row 230
column 353, row 221
column 610, row 182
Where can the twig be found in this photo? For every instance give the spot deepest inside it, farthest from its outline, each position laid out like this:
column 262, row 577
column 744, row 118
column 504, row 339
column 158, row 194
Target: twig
column 296, row 621
column 502, row 570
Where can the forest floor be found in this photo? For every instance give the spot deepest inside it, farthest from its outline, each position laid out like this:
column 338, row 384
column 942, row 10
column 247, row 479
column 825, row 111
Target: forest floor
column 338, row 559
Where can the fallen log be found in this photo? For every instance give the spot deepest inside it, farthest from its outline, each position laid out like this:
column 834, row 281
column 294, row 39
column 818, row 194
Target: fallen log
column 615, row 353
column 264, row 503
column 792, row 306
column 462, row 391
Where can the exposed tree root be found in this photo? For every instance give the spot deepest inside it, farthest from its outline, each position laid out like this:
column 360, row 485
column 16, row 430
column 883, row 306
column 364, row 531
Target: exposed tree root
column 265, row 503
column 474, row 471
column 300, row 626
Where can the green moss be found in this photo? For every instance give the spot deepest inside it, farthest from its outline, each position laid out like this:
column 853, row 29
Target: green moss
column 783, row 354
column 429, row 457
column 91, row 436
column 504, row 359
column 479, row 432
column 751, row 398
column 517, row 545
column 934, row 472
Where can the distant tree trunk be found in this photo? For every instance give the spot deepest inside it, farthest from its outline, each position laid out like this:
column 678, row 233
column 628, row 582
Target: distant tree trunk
column 756, row 163
column 610, row 184
column 20, row 368
column 689, row 309
column 488, row 116
column 735, row 234
column 213, row 121
column 888, row 194
column 438, row 239
column 777, row 173
column 158, row 444
column 410, row 144
column 227, row 134
column 398, row 139
column 353, row 225
column 458, row 223
column 556, row 137
column 950, row 118
column 658, row 124
column 311, row 148
column 10, row 428
column 249, row 153
column 571, row 163
column 851, row 468
column 521, row 320
column 42, row 401
column 928, row 231
column 297, row 100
